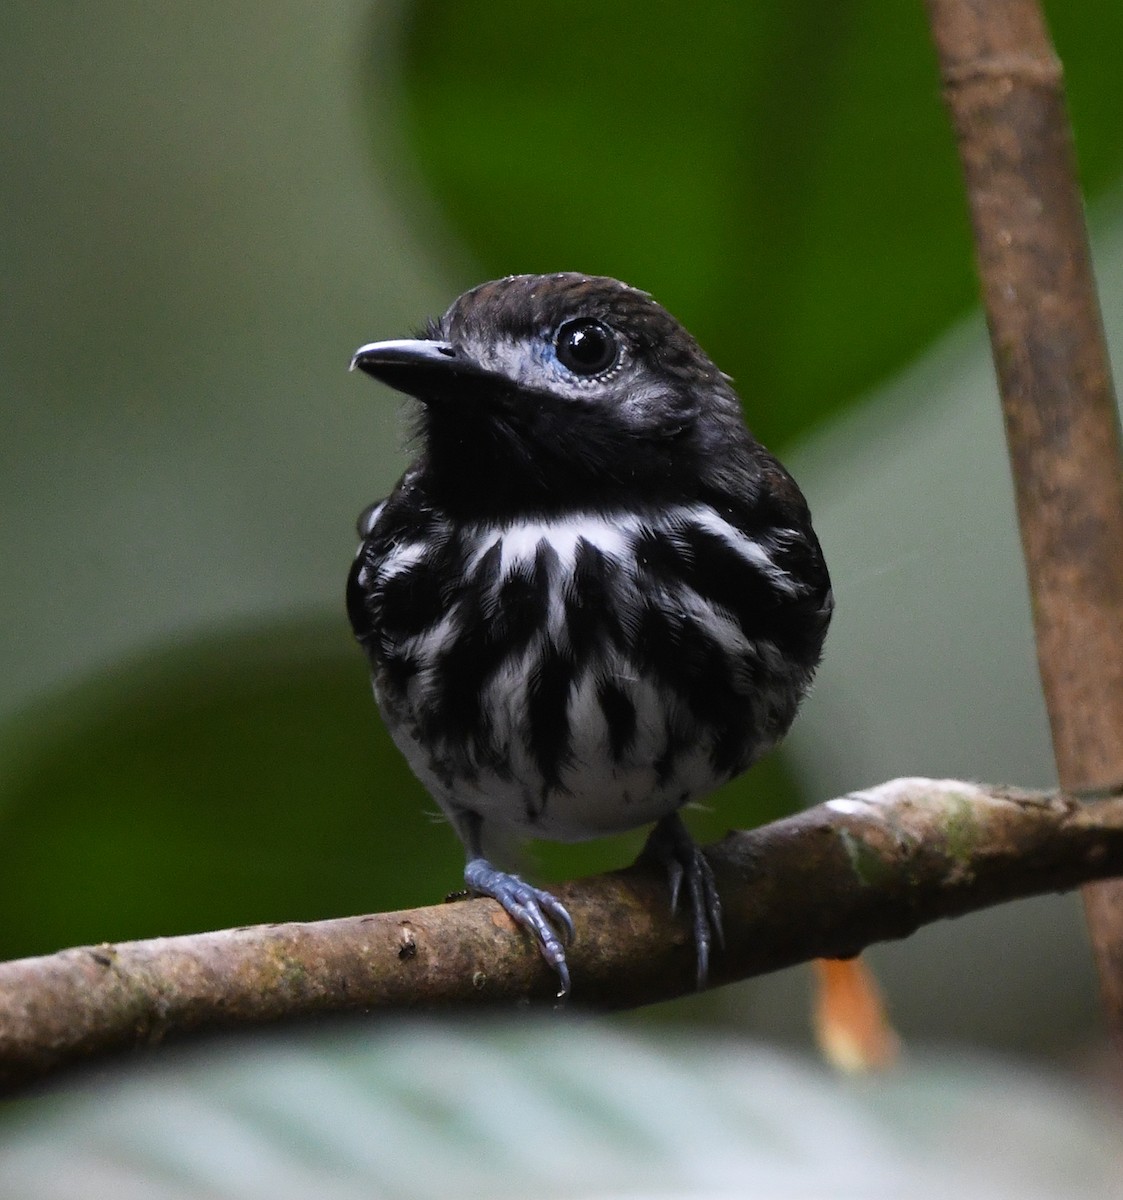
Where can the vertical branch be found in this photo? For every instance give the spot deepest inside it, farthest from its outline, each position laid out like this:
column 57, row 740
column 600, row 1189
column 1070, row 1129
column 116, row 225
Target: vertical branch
column 1003, row 85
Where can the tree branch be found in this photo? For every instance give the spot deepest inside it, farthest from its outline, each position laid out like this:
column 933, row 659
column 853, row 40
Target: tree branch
column 1004, row 89
column 871, row 866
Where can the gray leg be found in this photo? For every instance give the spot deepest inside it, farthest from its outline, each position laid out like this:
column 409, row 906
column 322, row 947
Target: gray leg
column 537, row 911
column 671, row 845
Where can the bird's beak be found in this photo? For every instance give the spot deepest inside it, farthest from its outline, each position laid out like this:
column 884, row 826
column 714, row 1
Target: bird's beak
column 418, row 367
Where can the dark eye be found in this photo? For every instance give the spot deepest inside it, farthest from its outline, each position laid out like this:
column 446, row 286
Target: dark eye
column 586, row 347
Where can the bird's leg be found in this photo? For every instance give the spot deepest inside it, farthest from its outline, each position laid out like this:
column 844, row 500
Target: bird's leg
column 538, row 912
column 671, row 845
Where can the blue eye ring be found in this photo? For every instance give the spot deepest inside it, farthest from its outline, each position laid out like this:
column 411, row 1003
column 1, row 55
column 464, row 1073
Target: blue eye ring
column 586, row 347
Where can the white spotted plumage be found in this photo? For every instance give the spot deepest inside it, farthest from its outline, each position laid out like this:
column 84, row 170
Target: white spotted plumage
column 596, row 793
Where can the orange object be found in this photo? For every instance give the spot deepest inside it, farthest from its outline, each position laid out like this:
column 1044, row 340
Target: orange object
column 852, row 1027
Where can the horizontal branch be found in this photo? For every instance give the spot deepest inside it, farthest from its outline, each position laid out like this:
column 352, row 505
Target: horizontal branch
column 871, row 866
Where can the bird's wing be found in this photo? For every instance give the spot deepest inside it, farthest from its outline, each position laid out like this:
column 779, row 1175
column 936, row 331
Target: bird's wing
column 383, row 526
column 375, row 528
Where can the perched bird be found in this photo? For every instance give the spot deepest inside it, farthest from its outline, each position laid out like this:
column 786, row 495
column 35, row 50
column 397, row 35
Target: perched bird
column 594, row 596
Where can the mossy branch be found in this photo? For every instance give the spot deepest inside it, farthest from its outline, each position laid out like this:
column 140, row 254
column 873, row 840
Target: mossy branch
column 867, row 867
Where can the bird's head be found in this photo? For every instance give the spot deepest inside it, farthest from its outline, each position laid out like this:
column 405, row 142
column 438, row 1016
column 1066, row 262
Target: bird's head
column 549, row 391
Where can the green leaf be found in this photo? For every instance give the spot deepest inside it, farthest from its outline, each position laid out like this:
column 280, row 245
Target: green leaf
column 572, row 1109
column 239, row 779
column 782, row 176
column 233, row 780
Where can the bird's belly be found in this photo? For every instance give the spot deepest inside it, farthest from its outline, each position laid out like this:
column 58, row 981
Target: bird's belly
column 620, row 768
column 566, row 682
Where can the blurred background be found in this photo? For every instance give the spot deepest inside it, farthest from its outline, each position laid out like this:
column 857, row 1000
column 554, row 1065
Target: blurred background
column 207, row 207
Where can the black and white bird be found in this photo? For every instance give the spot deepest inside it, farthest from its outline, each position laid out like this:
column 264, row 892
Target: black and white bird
column 594, row 597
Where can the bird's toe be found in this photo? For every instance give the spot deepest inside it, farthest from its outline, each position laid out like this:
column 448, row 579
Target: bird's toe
column 671, row 845
column 538, row 912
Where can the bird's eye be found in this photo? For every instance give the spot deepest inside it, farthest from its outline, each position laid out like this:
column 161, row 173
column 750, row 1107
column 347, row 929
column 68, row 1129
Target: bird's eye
column 586, row 347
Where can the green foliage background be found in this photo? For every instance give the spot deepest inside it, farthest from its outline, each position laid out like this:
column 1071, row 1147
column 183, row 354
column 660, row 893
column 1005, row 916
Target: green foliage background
column 781, row 175
column 206, row 209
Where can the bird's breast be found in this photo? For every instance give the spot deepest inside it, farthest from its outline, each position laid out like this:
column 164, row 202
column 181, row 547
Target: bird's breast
column 586, row 673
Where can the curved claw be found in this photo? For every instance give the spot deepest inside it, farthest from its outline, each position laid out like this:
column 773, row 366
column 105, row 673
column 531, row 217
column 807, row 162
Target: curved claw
column 670, row 843
column 539, row 913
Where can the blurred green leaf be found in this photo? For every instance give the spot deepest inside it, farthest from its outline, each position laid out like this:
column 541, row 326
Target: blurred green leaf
column 782, row 176
column 236, row 780
column 531, row 1109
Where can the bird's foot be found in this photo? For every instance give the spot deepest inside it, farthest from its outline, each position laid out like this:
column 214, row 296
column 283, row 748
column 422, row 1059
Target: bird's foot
column 536, row 911
column 671, row 845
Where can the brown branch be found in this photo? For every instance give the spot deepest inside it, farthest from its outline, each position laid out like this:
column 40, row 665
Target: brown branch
column 1003, row 86
column 865, row 868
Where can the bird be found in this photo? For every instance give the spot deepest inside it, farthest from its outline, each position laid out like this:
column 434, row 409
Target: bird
column 593, row 597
